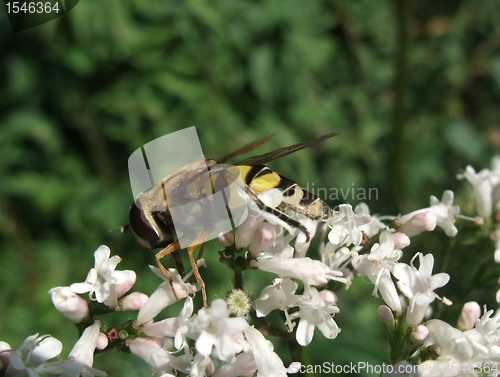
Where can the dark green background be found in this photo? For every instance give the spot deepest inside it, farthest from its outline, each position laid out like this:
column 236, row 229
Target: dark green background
column 412, row 86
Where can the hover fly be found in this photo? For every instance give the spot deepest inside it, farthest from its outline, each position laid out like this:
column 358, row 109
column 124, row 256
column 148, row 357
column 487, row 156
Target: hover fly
column 151, row 214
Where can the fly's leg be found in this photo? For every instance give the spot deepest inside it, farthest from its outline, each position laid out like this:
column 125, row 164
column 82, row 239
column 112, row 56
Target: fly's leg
column 280, row 215
column 178, row 263
column 174, row 246
column 200, row 254
column 202, row 237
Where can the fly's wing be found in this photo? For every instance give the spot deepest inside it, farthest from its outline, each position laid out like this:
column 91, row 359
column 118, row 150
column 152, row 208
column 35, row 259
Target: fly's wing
column 264, row 158
column 247, row 148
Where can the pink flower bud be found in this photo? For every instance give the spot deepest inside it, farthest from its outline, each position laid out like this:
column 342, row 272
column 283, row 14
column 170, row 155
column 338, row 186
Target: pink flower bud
column 226, row 239
column 264, row 237
column 469, row 315
column 69, row 304
column 385, row 316
column 421, row 222
column 419, row 334
column 134, row 301
column 102, row 341
column 246, row 231
column 328, row 297
column 4, row 355
column 401, row 240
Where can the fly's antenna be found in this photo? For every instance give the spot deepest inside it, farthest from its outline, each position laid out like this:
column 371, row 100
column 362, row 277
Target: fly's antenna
column 123, row 229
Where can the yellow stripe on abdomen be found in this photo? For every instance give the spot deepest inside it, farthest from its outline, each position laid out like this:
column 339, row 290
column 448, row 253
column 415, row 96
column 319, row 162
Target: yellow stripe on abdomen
column 260, row 178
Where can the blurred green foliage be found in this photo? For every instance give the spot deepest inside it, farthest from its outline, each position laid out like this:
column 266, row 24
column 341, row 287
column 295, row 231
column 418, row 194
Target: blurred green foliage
column 413, row 87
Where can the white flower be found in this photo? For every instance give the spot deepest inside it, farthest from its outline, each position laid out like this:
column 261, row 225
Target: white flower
column 202, row 366
column 280, row 247
column 171, row 327
column 486, row 187
column 314, row 312
column 69, row 304
column 310, row 271
column 301, row 245
column 477, row 345
column 212, row 327
column 31, row 356
column 444, row 211
column 495, row 237
column 485, row 336
column 242, row 365
column 81, row 357
column 162, row 361
column 346, row 225
column 183, row 321
column 280, row 296
column 268, row 362
column 441, row 335
column 418, row 286
column 104, row 283
column 385, row 252
column 163, row 296
column 378, row 265
column 336, row 259
column 374, row 225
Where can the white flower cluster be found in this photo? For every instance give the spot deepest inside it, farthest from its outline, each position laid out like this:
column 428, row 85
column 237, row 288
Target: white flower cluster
column 470, row 350
column 486, row 185
column 31, row 357
column 220, row 341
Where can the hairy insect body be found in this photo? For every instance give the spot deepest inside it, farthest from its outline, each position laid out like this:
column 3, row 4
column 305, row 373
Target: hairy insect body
column 193, row 199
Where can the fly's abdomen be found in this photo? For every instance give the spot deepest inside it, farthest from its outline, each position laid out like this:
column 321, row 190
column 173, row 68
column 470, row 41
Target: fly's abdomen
column 260, row 178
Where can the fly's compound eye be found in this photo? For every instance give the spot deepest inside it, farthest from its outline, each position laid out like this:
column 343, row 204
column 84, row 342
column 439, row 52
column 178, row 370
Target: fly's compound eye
column 140, row 225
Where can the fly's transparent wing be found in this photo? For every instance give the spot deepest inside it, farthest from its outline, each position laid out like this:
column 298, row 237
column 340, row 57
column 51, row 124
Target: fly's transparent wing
column 247, row 148
column 264, row 158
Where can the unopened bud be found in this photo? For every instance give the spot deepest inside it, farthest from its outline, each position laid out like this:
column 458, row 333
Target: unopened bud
column 264, row 237
column 329, row 297
column 102, row 341
column 226, row 239
column 471, row 312
column 419, row 334
column 246, row 231
column 385, row 316
column 69, row 304
column 401, row 240
column 421, row 222
column 4, row 355
column 133, row 301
